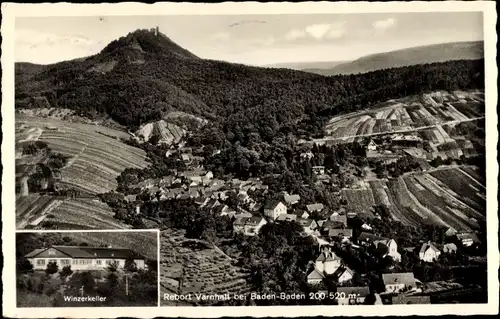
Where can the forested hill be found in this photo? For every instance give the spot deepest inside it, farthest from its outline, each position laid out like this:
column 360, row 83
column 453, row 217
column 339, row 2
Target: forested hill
column 412, row 56
column 141, row 76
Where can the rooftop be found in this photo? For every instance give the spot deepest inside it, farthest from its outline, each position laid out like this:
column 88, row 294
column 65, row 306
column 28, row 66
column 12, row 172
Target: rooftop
column 406, row 278
column 90, row 252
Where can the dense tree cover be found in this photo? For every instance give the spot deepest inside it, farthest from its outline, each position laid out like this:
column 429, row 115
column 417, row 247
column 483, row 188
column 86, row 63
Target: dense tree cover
column 159, row 166
column 278, row 260
column 402, row 165
column 239, row 99
column 43, row 176
column 33, row 148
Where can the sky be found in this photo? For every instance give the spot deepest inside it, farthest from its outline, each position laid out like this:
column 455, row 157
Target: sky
column 250, row 39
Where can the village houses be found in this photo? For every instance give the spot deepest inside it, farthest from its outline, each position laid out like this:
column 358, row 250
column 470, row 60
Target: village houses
column 291, row 199
column 372, row 146
column 467, row 238
column 273, row 209
column 428, row 252
column 327, row 262
column 248, row 226
column 385, row 246
column 344, row 235
column 397, row 282
column 286, row 217
column 317, row 207
column 309, row 225
column 450, row 248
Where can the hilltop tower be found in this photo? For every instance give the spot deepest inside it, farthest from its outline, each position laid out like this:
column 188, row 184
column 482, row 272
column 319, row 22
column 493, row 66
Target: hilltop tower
column 157, row 31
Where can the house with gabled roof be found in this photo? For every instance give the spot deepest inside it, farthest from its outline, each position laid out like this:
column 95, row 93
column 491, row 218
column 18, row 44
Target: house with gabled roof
column 467, row 238
column 286, row 217
column 317, row 207
column 372, row 146
column 450, row 232
column 341, row 219
column 450, row 248
column 396, row 282
column 327, row 262
column 388, row 247
column 309, row 225
column 83, row 257
column 291, row 199
column 428, row 252
column 327, row 225
column 248, row 226
column 384, row 246
column 342, row 234
column 343, row 274
column 315, row 277
column 223, row 210
column 273, row 209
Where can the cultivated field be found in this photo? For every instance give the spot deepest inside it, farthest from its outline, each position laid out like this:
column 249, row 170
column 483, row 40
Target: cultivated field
column 194, row 266
column 57, row 212
column 408, row 114
column 449, row 196
column 83, row 214
column 97, row 157
column 166, row 132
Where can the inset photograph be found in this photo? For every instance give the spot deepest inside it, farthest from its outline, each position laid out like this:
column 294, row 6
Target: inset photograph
column 87, row 269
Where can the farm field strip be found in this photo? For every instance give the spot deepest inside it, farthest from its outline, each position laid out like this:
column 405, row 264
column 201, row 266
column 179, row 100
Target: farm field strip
column 460, row 184
column 429, row 197
column 85, row 214
column 436, row 204
column 32, row 206
column 95, row 160
column 408, row 114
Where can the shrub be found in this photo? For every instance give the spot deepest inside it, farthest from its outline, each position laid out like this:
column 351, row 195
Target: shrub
column 65, row 272
column 52, row 268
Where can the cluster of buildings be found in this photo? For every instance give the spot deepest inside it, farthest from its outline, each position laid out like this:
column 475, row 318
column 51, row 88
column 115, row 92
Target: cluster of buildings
column 400, row 288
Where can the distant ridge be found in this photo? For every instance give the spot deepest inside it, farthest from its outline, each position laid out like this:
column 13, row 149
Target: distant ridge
column 143, row 76
column 305, row 66
column 407, row 57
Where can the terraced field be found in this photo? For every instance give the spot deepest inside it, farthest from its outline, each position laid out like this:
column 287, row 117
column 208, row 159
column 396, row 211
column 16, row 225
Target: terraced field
column 167, row 133
column 408, row 114
column 83, row 214
column 194, row 266
column 96, row 158
column 450, row 197
column 31, row 207
column 37, row 211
